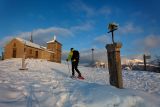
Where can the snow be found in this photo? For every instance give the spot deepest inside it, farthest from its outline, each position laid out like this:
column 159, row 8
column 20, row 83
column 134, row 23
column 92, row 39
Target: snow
column 28, row 43
column 52, row 41
column 47, row 84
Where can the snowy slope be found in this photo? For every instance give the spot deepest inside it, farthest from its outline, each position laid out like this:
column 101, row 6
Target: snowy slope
column 47, row 84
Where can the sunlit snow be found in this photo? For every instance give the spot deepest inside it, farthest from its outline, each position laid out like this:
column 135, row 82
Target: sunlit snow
column 47, row 84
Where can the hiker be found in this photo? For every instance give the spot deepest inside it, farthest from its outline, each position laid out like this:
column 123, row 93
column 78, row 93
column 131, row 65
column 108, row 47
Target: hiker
column 74, row 57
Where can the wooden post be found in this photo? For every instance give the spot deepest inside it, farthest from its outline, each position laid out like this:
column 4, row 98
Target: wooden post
column 114, row 64
column 23, row 62
column 92, row 63
column 112, row 37
column 2, row 55
column 144, row 58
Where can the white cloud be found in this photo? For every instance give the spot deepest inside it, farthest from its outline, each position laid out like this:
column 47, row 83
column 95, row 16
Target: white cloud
column 148, row 45
column 150, row 42
column 103, row 39
column 89, row 11
column 82, row 27
column 129, row 28
column 51, row 31
column 79, row 6
column 41, row 36
column 5, row 41
column 54, row 30
column 105, row 11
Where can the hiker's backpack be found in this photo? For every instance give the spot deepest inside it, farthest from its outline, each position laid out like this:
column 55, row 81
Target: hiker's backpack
column 75, row 55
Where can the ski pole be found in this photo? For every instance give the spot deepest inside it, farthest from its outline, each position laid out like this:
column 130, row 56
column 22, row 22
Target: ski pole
column 68, row 68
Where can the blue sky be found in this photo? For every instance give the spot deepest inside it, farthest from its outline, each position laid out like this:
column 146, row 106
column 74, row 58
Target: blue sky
column 82, row 24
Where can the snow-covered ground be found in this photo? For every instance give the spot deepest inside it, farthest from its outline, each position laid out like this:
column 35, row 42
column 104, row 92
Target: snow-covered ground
column 47, row 84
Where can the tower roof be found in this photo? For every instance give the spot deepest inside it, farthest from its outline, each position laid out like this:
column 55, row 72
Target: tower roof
column 52, row 41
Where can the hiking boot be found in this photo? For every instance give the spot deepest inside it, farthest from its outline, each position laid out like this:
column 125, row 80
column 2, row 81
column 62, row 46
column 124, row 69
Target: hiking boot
column 80, row 77
column 73, row 76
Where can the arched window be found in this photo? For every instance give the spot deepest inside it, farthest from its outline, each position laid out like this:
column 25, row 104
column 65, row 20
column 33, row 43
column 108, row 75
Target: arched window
column 14, row 45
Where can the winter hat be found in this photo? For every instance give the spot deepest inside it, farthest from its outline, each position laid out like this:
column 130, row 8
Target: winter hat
column 72, row 49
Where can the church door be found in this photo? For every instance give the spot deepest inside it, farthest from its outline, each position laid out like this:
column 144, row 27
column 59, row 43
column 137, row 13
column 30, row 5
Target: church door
column 14, row 53
column 36, row 54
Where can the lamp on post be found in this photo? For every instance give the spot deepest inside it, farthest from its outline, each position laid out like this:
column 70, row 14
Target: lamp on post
column 92, row 56
column 2, row 57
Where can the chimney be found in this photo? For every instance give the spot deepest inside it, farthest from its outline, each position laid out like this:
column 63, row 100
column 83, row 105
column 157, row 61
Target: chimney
column 31, row 39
